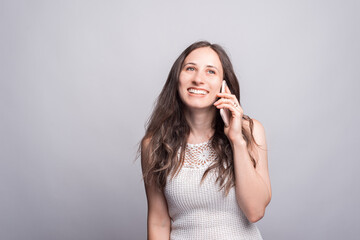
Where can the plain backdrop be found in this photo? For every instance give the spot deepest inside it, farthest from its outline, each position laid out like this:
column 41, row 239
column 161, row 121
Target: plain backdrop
column 78, row 80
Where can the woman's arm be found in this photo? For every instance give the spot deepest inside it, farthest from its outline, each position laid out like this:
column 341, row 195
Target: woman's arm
column 252, row 185
column 158, row 219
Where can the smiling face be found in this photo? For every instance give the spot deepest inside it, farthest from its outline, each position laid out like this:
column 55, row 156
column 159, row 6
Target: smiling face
column 200, row 78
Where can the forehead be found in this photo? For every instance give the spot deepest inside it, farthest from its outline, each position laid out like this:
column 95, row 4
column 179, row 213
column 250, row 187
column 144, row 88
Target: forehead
column 204, row 56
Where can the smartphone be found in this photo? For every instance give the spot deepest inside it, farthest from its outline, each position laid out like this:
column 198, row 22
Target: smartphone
column 224, row 112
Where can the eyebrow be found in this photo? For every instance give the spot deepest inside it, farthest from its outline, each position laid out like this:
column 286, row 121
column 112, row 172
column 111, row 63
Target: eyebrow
column 191, row 63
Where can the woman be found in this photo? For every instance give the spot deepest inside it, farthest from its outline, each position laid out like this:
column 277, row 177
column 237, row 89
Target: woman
column 203, row 179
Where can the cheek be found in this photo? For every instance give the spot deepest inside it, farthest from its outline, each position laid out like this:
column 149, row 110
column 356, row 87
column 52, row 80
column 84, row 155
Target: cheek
column 217, row 86
column 181, row 86
column 183, row 80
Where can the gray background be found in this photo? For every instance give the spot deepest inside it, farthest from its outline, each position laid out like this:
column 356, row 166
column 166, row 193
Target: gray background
column 79, row 79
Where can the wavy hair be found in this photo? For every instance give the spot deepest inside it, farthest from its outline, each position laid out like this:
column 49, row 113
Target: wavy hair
column 167, row 129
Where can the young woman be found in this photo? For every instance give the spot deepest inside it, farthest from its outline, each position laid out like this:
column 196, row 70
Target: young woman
column 203, row 179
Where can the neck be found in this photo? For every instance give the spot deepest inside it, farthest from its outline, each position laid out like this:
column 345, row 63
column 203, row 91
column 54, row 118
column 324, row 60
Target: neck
column 200, row 121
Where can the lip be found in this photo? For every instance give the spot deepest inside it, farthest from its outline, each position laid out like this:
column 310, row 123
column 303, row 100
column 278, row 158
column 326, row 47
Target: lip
column 202, row 89
column 196, row 94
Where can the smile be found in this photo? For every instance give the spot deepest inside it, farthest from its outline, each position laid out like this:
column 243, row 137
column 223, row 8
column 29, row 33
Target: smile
column 197, row 91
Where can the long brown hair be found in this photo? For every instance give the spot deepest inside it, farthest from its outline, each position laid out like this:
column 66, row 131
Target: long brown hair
column 167, row 129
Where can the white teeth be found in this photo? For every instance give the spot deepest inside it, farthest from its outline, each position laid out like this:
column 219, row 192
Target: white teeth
column 196, row 91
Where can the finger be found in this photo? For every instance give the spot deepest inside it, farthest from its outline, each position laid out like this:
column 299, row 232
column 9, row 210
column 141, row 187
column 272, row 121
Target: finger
column 226, row 95
column 229, row 96
column 235, row 112
column 228, row 101
column 221, row 100
column 232, row 104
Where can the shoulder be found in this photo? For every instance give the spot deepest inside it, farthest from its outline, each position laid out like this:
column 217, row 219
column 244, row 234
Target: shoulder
column 145, row 151
column 258, row 127
column 145, row 142
column 258, row 131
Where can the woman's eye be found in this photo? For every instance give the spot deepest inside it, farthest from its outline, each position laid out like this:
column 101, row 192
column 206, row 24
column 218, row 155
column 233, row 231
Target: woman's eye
column 190, row 69
column 211, row 71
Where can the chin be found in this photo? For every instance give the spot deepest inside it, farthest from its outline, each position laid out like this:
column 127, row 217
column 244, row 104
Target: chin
column 200, row 103
column 199, row 106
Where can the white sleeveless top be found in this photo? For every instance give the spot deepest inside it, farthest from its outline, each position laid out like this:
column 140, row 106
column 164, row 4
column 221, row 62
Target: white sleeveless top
column 202, row 212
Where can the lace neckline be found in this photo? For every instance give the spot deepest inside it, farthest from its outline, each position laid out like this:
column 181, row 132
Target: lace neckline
column 199, row 155
column 197, row 144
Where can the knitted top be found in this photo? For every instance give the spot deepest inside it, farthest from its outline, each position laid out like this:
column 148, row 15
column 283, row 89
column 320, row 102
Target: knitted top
column 202, row 211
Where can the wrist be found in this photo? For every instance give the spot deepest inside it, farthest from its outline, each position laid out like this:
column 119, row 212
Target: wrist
column 238, row 142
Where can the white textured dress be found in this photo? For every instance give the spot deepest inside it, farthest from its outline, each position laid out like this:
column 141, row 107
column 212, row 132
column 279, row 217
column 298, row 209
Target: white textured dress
column 202, row 212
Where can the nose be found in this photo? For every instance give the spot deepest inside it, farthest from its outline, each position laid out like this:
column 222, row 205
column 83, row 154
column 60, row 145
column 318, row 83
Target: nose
column 198, row 78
